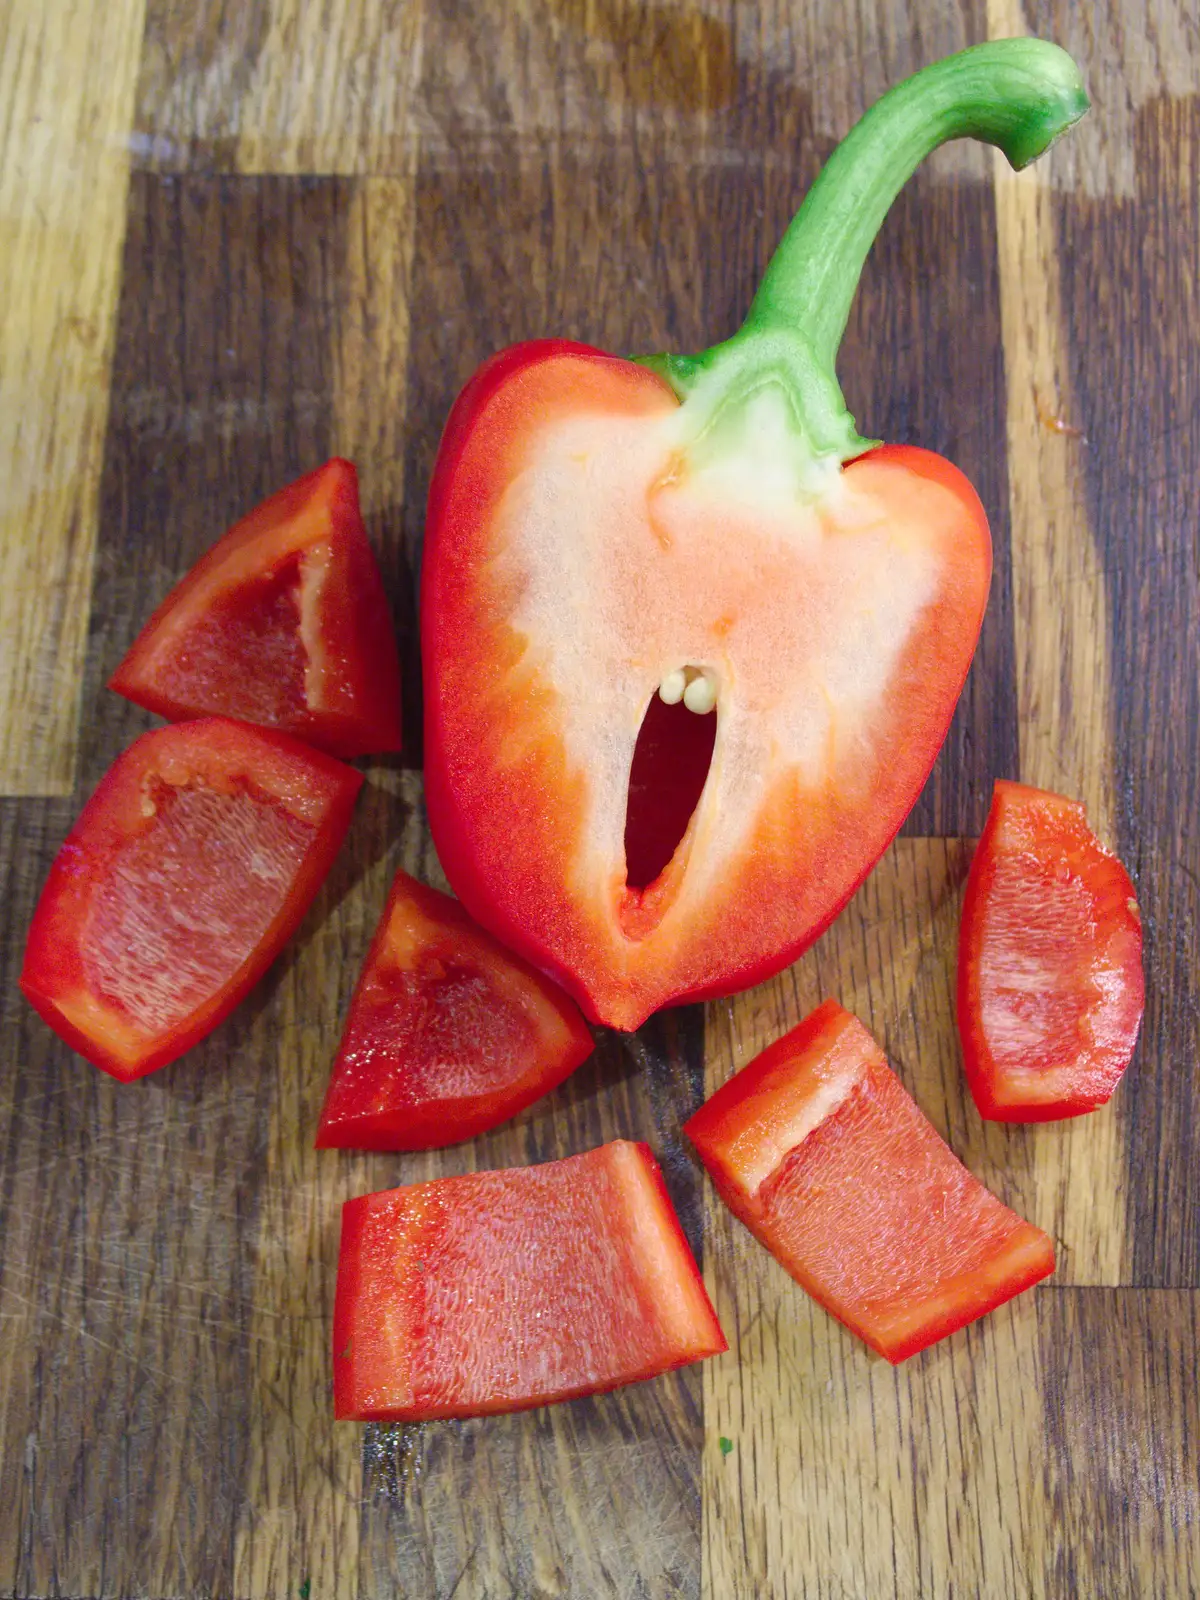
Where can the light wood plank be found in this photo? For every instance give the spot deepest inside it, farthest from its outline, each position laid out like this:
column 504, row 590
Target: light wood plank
column 1059, row 592
column 1062, row 625
column 67, row 75
column 847, row 1477
column 370, row 340
column 279, row 86
column 1133, row 53
column 890, row 958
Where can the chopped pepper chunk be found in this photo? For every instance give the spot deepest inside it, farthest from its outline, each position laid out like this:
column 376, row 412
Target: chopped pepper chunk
column 819, row 1150
column 183, row 877
column 283, row 623
column 1050, row 981
column 448, row 1033
column 497, row 1291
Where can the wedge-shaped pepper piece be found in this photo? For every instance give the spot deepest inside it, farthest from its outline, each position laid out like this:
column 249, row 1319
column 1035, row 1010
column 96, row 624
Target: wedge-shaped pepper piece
column 496, row 1291
column 284, row 623
column 185, row 874
column 713, row 530
column 819, row 1150
column 1050, row 982
column 448, row 1033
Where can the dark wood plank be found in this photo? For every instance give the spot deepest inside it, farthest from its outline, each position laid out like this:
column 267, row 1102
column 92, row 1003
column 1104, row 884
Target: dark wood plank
column 1134, row 271
column 1122, row 1464
column 137, row 1217
column 127, row 1221
column 371, row 423
column 221, row 394
column 923, row 364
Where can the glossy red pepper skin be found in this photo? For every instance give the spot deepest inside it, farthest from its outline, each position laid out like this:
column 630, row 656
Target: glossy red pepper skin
column 283, row 623
column 183, row 877
column 515, row 804
column 818, row 1149
column 498, row 1291
column 1050, row 982
column 448, row 1034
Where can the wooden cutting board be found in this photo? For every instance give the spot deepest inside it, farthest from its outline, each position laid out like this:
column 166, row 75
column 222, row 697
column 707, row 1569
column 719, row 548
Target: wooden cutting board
column 236, row 239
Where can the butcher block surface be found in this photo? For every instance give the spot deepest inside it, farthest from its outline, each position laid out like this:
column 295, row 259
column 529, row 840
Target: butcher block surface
column 237, row 239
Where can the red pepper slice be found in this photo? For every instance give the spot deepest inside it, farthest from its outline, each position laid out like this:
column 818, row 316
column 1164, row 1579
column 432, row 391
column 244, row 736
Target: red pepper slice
column 819, row 1150
column 601, row 531
column 448, row 1033
column 1050, row 982
column 497, row 1291
column 283, row 623
column 183, row 877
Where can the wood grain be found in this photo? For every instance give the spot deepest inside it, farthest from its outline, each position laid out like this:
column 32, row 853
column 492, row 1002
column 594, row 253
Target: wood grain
column 63, row 174
column 1061, row 607
column 371, row 420
column 278, row 86
column 553, row 1503
column 1133, row 53
column 222, row 391
column 1060, row 596
column 1061, row 631
column 336, row 212
column 861, row 1479
column 129, row 1224
column 304, row 1482
column 1122, row 1464
column 299, row 1517
column 599, row 1497
column 847, row 1478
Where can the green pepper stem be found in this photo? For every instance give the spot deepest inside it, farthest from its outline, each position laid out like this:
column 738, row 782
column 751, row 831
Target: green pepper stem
column 1018, row 94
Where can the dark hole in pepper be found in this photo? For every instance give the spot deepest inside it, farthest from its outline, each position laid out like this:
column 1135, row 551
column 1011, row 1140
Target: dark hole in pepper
column 670, row 765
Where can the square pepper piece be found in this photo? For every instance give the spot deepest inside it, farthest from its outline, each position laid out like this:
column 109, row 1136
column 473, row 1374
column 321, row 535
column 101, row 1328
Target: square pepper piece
column 819, row 1150
column 497, row 1291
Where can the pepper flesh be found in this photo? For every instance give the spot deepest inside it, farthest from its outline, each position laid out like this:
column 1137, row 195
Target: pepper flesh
column 497, row 1291
column 1050, row 981
column 817, row 1148
column 448, row 1033
column 284, row 623
column 598, row 527
column 183, row 877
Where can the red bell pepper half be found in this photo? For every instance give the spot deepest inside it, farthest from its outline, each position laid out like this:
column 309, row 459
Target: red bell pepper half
column 448, row 1033
column 497, row 1291
column 818, row 1149
column 283, row 623
column 1050, row 982
column 185, row 874
column 711, row 530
